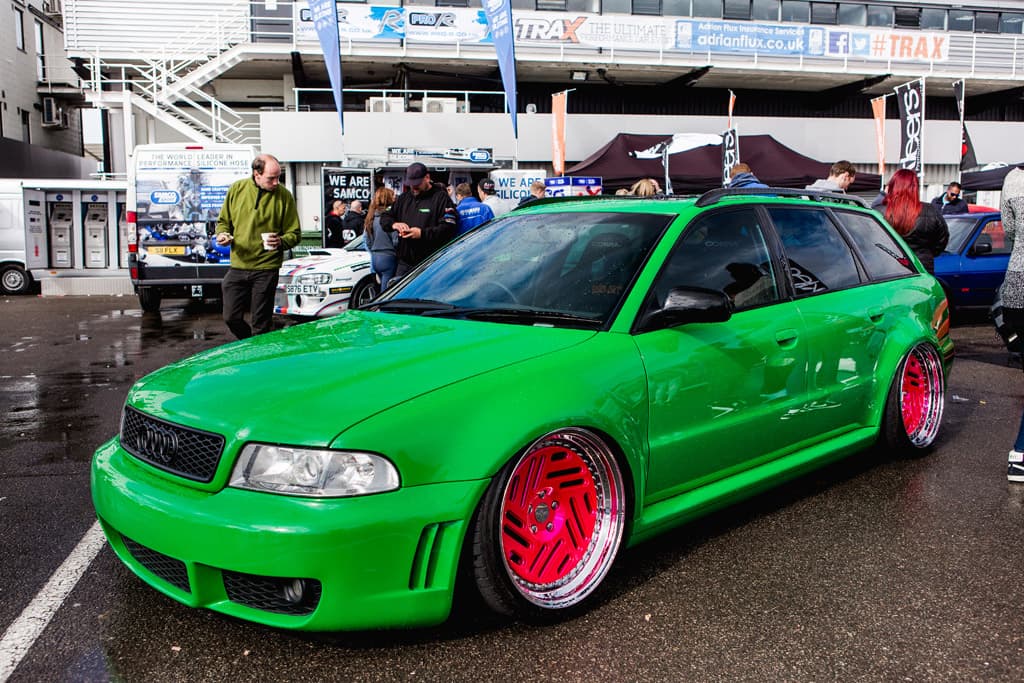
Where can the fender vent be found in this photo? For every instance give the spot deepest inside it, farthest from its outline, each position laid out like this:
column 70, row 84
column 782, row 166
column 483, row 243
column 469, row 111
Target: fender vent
column 424, row 562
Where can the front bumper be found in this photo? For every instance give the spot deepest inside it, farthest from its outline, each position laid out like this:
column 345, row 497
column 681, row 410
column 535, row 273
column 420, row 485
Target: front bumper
column 319, row 305
column 385, row 560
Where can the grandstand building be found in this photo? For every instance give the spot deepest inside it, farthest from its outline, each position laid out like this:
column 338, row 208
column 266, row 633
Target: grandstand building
column 424, row 76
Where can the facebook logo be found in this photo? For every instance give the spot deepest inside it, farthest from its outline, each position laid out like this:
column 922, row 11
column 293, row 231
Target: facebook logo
column 838, row 43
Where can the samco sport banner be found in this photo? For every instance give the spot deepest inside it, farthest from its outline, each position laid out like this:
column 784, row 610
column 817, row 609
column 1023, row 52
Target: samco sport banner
column 730, row 153
column 656, row 34
column 910, row 97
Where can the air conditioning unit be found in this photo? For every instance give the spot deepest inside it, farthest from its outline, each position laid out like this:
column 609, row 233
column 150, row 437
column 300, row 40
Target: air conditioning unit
column 51, row 113
column 52, row 7
column 440, row 105
column 381, row 104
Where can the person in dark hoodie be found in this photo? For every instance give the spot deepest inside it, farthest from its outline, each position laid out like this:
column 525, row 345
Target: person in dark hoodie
column 424, row 217
column 741, row 175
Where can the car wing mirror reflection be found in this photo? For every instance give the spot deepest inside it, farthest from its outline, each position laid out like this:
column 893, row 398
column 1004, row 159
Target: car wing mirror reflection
column 684, row 305
column 981, row 247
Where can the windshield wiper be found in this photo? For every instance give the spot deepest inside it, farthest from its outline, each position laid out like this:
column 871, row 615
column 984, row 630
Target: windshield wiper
column 414, row 305
column 517, row 315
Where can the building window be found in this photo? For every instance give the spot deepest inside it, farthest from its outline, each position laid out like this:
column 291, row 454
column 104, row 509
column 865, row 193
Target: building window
column 736, row 9
column 19, row 29
column 524, row 4
column 593, row 6
column 707, row 8
column 986, row 22
column 675, row 8
column 824, row 13
column 616, row 6
column 551, row 5
column 1011, row 22
column 908, row 17
column 853, row 15
column 880, row 16
column 40, row 53
column 453, row 3
column 796, row 10
column 26, row 127
column 961, row 20
column 932, row 18
column 765, row 10
column 652, row 7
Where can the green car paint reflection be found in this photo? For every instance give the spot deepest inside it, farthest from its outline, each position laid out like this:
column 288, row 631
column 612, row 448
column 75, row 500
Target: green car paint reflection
column 563, row 382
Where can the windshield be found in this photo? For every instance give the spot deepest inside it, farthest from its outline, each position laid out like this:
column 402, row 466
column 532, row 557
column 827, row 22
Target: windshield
column 560, row 269
column 959, row 231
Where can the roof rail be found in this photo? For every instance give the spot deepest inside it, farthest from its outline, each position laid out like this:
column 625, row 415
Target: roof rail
column 713, row 196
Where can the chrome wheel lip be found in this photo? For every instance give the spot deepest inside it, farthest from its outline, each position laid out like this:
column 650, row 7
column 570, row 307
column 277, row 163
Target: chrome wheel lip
column 934, row 392
column 609, row 526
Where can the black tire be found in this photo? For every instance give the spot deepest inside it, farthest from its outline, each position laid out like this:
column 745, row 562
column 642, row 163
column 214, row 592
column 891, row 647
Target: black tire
column 14, row 279
column 915, row 403
column 149, row 299
column 560, row 507
column 365, row 291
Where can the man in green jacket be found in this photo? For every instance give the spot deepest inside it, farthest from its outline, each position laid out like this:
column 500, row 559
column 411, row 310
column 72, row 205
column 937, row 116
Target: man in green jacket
column 259, row 220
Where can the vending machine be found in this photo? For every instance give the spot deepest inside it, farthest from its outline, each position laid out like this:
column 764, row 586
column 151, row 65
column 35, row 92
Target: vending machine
column 95, row 219
column 60, row 223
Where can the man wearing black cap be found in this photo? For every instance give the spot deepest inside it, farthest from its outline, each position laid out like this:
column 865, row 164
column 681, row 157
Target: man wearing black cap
column 485, row 189
column 424, row 217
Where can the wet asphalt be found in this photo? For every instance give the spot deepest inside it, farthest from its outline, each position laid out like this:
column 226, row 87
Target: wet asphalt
column 868, row 570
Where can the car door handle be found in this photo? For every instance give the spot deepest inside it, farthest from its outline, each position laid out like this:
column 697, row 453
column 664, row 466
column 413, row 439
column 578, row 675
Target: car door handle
column 786, row 338
column 876, row 314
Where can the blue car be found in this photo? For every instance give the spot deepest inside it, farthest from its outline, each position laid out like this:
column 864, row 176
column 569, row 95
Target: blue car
column 974, row 263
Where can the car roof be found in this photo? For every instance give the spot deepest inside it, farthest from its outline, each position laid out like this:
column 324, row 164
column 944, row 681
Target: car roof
column 739, row 195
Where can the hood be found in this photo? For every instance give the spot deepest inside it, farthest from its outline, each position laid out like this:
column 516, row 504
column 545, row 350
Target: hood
column 305, row 384
column 324, row 260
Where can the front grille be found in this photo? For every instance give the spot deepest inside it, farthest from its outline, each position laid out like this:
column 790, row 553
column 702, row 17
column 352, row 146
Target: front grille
column 184, row 451
column 267, row 593
column 167, row 568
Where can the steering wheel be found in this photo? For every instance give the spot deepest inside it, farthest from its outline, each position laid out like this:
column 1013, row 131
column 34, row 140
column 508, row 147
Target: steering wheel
column 502, row 288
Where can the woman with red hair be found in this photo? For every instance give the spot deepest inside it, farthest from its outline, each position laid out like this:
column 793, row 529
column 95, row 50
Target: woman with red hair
column 921, row 224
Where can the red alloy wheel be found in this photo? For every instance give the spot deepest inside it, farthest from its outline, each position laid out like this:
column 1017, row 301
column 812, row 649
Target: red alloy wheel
column 922, row 395
column 561, row 518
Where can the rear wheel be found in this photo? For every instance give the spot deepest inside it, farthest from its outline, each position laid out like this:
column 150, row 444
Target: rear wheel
column 14, row 279
column 149, row 299
column 913, row 410
column 549, row 526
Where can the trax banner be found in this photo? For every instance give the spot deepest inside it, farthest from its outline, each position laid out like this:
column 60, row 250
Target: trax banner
column 499, row 21
column 573, row 186
column 910, row 97
column 730, row 153
column 324, row 14
column 455, row 25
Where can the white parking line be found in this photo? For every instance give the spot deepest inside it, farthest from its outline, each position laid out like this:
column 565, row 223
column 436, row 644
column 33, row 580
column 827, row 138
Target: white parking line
column 21, row 634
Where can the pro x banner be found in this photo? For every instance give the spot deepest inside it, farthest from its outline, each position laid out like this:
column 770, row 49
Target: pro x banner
column 910, row 97
column 499, row 16
column 968, row 159
column 730, row 153
column 325, row 18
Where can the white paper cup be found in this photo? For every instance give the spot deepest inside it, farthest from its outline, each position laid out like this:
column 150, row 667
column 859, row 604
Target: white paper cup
column 266, row 236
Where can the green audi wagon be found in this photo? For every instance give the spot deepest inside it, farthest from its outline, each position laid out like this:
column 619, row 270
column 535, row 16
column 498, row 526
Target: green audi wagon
column 551, row 388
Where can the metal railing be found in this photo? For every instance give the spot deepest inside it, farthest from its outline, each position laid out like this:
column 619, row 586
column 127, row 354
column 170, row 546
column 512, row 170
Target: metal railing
column 412, row 100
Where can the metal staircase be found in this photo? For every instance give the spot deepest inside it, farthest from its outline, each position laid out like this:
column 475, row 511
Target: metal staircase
column 168, row 87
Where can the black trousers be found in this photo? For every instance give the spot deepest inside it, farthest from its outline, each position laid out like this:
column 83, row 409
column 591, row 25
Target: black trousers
column 253, row 290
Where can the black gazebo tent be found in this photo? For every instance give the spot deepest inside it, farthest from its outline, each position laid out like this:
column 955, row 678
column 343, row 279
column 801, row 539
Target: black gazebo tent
column 700, row 169
column 992, row 179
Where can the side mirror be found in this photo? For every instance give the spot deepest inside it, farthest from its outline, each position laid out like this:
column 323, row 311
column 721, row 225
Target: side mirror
column 981, row 247
column 685, row 305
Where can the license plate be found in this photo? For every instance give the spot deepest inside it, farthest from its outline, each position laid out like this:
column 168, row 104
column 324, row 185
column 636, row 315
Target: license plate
column 302, row 289
column 174, row 251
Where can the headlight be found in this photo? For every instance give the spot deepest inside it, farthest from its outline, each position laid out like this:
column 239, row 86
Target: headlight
column 312, row 472
column 314, row 279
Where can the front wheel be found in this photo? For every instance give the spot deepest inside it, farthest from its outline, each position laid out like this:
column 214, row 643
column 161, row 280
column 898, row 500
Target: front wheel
column 913, row 409
column 365, row 291
column 549, row 526
column 14, row 280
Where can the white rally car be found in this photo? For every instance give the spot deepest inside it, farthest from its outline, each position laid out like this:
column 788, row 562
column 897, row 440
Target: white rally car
column 325, row 282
